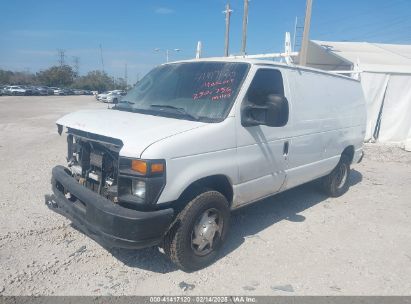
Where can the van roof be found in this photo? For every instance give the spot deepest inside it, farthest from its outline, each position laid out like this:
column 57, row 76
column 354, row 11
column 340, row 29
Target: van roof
column 261, row 62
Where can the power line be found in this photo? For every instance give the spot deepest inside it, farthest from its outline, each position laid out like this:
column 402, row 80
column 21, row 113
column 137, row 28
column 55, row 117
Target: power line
column 363, row 23
column 351, row 15
column 385, row 28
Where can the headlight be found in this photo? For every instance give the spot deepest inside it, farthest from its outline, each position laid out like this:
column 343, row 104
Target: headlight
column 138, row 188
column 140, row 182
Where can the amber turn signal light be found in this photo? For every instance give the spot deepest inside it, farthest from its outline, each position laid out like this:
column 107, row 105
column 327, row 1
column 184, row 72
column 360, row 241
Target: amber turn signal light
column 157, row 168
column 139, row 165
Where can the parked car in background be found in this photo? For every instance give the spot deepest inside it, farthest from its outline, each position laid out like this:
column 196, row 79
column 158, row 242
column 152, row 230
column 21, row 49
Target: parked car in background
column 102, row 96
column 35, row 90
column 50, row 91
column 58, row 91
column 32, row 91
column 78, row 92
column 29, row 90
column 44, row 91
column 121, row 92
column 68, row 92
column 2, row 90
column 112, row 97
column 16, row 90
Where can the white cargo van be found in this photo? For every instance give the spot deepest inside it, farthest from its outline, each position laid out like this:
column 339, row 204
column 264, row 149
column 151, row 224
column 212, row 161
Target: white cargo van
column 196, row 139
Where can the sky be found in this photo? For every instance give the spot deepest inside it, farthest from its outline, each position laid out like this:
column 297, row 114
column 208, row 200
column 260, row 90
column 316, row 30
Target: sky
column 128, row 31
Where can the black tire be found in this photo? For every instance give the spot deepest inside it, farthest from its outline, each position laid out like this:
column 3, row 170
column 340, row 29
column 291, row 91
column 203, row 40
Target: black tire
column 179, row 244
column 336, row 183
column 115, row 101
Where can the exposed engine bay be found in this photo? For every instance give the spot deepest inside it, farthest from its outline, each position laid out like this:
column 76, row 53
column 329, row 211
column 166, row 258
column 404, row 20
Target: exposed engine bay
column 93, row 163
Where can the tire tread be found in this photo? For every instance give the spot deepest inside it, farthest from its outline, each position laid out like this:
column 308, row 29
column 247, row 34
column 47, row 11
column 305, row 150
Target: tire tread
column 174, row 240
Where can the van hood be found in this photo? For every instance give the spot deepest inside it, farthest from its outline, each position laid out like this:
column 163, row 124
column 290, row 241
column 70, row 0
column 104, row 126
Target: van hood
column 136, row 131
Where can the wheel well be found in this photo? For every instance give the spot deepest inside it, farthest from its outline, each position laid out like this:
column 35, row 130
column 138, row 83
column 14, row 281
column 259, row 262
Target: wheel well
column 219, row 183
column 349, row 152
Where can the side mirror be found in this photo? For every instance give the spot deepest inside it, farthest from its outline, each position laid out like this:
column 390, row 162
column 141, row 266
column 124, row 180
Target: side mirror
column 273, row 112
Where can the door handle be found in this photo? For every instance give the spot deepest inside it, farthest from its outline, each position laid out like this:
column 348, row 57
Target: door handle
column 285, row 148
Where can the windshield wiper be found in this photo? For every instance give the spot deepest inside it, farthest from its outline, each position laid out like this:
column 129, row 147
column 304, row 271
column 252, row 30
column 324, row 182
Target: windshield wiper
column 180, row 110
column 128, row 103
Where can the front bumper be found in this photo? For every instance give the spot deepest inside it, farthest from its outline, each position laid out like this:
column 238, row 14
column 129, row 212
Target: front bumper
column 107, row 223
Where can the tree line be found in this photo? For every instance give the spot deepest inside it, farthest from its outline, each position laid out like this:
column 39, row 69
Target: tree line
column 64, row 76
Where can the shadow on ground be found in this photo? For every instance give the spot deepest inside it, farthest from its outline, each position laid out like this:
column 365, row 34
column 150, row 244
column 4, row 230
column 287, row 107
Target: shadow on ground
column 245, row 222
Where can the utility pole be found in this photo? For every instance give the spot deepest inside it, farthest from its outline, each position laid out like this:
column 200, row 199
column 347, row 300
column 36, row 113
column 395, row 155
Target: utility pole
column 245, row 21
column 61, row 54
column 306, row 34
column 101, row 57
column 227, row 13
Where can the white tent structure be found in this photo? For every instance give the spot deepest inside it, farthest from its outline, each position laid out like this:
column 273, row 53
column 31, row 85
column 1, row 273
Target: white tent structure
column 386, row 80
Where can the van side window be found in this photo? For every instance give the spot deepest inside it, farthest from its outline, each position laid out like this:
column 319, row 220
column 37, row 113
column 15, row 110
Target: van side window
column 265, row 83
column 265, row 100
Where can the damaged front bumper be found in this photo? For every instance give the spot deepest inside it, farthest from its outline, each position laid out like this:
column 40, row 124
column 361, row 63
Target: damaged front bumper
column 107, row 223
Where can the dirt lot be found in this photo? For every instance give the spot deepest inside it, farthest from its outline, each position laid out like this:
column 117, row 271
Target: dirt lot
column 297, row 243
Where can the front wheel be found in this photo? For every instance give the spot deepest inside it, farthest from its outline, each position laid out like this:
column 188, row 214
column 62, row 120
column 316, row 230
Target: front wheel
column 336, row 183
column 201, row 230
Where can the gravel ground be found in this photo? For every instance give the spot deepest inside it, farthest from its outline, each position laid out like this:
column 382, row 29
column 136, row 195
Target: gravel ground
column 297, row 243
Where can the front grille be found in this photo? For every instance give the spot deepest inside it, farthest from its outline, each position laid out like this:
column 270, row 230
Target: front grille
column 93, row 160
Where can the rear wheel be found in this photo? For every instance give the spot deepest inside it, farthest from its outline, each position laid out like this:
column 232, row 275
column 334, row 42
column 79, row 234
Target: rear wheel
column 201, row 230
column 337, row 182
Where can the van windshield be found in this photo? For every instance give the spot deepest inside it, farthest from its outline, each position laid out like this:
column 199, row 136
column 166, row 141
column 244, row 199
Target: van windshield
column 202, row 91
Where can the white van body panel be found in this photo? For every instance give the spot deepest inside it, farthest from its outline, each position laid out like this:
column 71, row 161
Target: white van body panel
column 136, row 131
column 327, row 115
column 199, row 153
